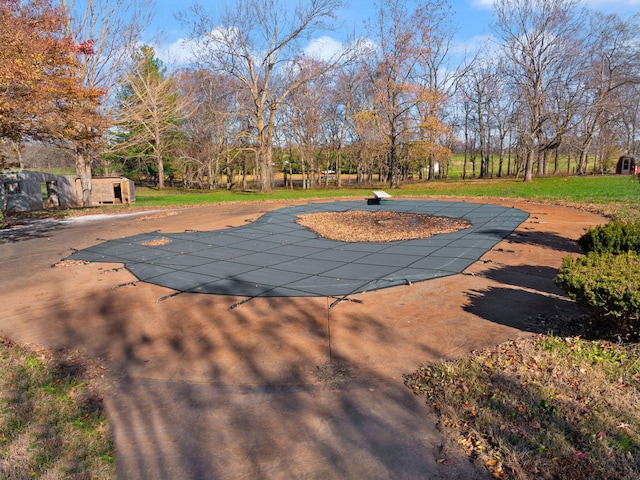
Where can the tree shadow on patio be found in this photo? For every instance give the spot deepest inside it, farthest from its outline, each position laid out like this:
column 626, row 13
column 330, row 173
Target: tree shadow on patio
column 212, row 392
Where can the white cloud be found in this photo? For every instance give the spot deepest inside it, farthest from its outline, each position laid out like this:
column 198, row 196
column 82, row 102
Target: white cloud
column 367, row 46
column 485, row 44
column 185, row 51
column 483, row 4
column 177, row 53
column 329, row 49
column 324, row 48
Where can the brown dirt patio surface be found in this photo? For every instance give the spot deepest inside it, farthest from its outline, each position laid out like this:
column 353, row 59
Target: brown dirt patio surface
column 204, row 391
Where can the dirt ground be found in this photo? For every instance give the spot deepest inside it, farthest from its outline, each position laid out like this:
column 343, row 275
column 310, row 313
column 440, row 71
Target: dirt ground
column 275, row 387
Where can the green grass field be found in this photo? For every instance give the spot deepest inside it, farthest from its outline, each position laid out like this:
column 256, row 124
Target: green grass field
column 52, row 423
column 616, row 188
column 614, row 195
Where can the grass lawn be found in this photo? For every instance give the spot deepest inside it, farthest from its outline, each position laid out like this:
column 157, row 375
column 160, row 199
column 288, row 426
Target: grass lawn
column 548, row 407
column 613, row 195
column 51, row 417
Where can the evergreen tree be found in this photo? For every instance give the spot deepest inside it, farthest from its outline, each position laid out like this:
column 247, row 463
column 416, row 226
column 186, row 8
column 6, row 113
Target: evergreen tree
column 149, row 113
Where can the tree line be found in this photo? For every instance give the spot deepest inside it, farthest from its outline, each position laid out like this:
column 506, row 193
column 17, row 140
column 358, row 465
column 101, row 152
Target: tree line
column 554, row 91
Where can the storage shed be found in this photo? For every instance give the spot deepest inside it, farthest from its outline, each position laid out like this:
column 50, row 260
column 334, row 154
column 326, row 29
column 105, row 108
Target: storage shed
column 627, row 165
column 25, row 191
column 110, row 190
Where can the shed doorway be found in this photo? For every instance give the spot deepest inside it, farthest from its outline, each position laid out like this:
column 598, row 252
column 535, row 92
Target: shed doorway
column 626, row 165
column 117, row 193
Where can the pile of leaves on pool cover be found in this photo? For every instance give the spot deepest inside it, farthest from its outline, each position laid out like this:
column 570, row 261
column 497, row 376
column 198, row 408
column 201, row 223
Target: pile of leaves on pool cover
column 361, row 226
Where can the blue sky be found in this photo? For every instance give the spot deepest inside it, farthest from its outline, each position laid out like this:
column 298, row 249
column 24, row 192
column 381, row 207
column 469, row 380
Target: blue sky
column 472, row 17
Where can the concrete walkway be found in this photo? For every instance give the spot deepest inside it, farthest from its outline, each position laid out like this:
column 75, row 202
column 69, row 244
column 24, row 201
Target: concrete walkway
column 278, row 387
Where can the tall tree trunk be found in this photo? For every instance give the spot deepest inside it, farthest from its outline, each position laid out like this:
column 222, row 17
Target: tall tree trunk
column 265, row 170
column 528, row 171
column 394, row 170
column 160, row 165
column 210, row 176
column 544, row 168
column 339, row 166
column 18, row 148
column 432, row 168
column 265, row 151
column 583, row 162
column 466, row 154
column 83, row 171
column 244, row 174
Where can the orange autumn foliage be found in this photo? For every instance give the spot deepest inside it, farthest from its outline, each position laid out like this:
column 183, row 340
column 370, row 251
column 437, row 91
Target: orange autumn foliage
column 41, row 95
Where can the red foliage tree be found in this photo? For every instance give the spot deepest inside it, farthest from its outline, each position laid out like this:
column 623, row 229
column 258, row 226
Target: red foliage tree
column 41, row 94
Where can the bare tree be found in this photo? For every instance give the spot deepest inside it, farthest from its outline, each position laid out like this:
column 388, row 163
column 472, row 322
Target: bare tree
column 613, row 63
column 113, row 29
column 629, row 106
column 259, row 42
column 306, row 114
column 479, row 87
column 368, row 142
column 393, row 73
column 407, row 72
column 149, row 113
column 339, row 105
column 211, row 129
column 437, row 83
column 540, row 39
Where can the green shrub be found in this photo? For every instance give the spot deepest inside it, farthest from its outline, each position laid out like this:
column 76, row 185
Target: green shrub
column 608, row 287
column 614, row 237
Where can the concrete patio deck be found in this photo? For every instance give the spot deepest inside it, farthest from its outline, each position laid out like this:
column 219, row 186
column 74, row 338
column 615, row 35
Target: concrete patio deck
column 279, row 387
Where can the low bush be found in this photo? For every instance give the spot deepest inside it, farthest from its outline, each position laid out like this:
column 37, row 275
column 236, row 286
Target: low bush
column 608, row 287
column 614, row 237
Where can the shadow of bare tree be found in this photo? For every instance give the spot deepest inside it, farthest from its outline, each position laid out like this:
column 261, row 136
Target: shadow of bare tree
column 30, row 230
column 521, row 309
column 545, row 239
column 539, row 278
column 206, row 391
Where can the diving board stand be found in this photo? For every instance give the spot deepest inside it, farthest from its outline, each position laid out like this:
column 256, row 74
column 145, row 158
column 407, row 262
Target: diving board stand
column 378, row 195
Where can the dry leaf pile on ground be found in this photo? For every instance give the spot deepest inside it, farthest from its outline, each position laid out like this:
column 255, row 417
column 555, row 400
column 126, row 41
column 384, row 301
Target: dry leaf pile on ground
column 157, row 242
column 361, row 226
